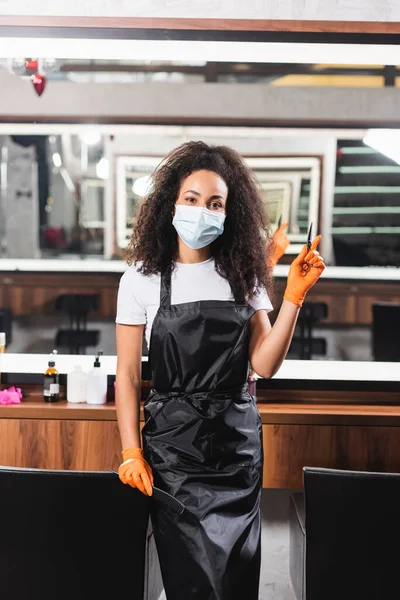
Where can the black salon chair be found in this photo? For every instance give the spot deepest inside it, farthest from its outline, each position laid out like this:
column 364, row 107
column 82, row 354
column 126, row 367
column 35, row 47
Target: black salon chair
column 386, row 331
column 74, row 535
column 304, row 344
column 352, row 526
column 297, row 547
column 6, row 319
column 77, row 338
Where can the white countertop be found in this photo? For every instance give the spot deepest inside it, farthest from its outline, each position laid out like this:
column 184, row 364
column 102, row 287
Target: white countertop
column 74, row 265
column 291, row 369
column 92, row 265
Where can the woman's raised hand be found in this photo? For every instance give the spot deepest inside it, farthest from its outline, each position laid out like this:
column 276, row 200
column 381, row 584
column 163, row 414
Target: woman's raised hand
column 278, row 245
column 304, row 271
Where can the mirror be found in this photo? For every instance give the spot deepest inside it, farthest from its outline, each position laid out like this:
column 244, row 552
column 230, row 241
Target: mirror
column 74, row 163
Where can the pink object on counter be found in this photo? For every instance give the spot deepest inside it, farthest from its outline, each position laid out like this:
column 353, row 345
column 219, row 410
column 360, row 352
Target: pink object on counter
column 11, row 396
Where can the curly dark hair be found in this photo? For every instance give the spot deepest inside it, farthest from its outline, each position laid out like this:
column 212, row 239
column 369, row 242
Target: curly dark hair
column 240, row 253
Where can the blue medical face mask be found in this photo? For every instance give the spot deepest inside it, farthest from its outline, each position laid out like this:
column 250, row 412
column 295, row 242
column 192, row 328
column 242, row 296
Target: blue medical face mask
column 197, row 226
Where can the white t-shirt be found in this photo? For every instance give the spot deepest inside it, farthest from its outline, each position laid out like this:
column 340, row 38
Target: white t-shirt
column 139, row 295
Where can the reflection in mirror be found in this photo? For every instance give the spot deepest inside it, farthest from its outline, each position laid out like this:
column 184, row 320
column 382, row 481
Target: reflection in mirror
column 290, row 187
column 366, row 213
column 133, row 178
column 52, row 188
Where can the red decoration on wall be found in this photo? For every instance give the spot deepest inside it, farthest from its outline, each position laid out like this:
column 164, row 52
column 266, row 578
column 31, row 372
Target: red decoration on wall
column 39, row 83
column 31, row 65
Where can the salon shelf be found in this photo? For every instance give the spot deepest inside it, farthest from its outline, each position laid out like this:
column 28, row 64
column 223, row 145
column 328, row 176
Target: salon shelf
column 62, row 410
column 277, row 413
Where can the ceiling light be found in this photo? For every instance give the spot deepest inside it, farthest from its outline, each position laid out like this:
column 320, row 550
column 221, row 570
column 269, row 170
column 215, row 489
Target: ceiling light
column 385, row 141
column 141, row 185
column 194, row 51
column 103, row 168
column 57, row 162
column 91, row 137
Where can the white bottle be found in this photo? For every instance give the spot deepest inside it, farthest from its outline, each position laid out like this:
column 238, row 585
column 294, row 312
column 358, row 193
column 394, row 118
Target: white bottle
column 77, row 385
column 97, row 384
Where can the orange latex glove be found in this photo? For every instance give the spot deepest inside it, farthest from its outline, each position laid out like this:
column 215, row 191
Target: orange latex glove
column 299, row 281
column 278, row 245
column 135, row 471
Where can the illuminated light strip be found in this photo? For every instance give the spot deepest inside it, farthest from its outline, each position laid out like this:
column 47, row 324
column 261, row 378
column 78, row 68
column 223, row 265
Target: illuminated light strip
column 355, row 150
column 204, row 51
column 192, row 131
column 361, row 169
column 364, row 230
column 368, row 189
column 367, row 210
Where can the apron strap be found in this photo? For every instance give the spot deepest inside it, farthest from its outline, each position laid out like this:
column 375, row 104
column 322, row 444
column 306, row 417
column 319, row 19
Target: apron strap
column 165, row 290
column 239, row 299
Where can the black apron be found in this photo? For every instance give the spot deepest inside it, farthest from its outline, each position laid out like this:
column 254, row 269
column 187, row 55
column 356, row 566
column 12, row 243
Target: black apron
column 203, row 440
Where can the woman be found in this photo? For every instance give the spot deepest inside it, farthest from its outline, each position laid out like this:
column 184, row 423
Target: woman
column 197, row 286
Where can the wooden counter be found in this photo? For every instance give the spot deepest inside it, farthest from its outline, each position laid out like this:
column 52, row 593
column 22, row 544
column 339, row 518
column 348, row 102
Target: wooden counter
column 347, row 436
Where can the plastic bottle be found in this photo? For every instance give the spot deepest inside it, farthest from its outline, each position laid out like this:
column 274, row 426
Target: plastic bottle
column 2, row 342
column 51, row 386
column 97, row 383
column 77, row 385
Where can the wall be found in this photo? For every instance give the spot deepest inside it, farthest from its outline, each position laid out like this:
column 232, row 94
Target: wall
column 365, row 10
column 198, row 101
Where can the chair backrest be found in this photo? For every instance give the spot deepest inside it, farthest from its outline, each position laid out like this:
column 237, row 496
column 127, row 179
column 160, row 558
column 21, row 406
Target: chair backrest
column 352, row 531
column 70, row 535
column 6, row 319
column 77, row 303
column 313, row 311
column 386, row 331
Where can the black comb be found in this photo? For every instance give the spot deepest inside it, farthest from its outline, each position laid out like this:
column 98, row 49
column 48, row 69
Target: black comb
column 309, row 236
column 173, row 503
column 279, row 222
column 160, row 495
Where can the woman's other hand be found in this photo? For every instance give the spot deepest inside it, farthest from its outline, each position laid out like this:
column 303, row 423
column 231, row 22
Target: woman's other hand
column 304, row 271
column 135, row 471
column 278, row 245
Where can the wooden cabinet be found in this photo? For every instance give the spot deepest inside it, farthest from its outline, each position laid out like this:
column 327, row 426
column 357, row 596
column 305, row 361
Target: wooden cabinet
column 345, row 436
column 289, row 448
column 60, row 444
column 30, row 294
column 349, row 302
